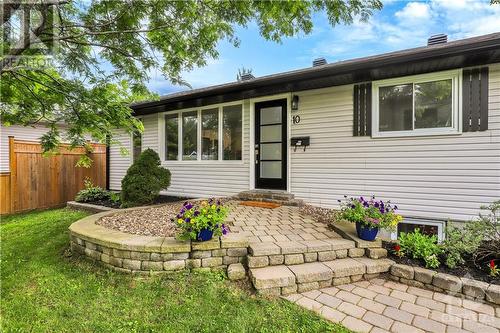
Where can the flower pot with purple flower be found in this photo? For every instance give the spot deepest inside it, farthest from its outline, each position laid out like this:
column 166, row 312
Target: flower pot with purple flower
column 202, row 221
column 369, row 215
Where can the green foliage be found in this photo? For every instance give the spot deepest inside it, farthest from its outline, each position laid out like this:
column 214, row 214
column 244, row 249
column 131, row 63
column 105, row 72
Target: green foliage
column 106, row 50
column 490, row 247
column 92, row 193
column 462, row 240
column 44, row 290
column 144, row 180
column 432, row 261
column 421, row 246
column 479, row 238
column 207, row 215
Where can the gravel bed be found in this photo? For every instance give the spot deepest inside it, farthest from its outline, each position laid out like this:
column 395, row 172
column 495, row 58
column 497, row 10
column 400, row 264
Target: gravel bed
column 154, row 221
column 322, row 215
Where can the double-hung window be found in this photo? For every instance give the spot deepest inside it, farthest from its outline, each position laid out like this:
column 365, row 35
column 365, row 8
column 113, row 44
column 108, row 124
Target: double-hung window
column 418, row 105
column 208, row 134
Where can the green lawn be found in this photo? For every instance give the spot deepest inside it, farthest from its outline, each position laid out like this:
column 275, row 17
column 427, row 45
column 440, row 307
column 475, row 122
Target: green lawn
column 44, row 289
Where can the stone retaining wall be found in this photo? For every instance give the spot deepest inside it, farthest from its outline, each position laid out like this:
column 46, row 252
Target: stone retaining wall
column 152, row 255
column 450, row 284
column 87, row 207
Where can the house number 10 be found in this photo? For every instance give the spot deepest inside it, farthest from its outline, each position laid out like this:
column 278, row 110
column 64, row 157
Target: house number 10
column 296, row 119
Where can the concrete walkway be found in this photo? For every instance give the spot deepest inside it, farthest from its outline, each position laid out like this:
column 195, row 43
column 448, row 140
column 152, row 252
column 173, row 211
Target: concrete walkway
column 379, row 305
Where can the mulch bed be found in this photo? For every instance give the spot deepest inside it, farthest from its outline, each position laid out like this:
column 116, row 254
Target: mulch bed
column 468, row 270
column 154, row 221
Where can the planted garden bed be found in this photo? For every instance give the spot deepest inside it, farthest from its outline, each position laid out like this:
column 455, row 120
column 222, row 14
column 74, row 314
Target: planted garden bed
column 468, row 269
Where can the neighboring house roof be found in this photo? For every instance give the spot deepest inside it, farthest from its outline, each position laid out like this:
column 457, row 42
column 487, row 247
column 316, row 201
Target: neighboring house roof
column 455, row 54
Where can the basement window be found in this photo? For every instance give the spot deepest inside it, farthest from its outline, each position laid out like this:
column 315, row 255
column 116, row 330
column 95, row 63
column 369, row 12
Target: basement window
column 417, row 105
column 426, row 227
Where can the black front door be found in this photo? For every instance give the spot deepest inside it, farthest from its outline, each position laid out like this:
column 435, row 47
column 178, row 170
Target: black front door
column 270, row 145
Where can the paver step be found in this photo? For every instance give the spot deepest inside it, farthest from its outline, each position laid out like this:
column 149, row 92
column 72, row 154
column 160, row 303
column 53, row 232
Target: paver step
column 288, row 279
column 262, row 254
column 279, row 197
column 348, row 231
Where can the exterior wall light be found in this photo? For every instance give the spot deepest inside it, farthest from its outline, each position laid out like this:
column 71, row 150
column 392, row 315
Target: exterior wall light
column 295, row 102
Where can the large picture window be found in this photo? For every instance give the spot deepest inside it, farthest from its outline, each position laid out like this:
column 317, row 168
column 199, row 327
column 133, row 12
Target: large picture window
column 211, row 134
column 232, row 132
column 171, row 137
column 419, row 105
column 189, row 135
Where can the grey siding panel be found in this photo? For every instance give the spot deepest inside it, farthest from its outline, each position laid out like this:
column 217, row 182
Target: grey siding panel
column 433, row 177
column 119, row 163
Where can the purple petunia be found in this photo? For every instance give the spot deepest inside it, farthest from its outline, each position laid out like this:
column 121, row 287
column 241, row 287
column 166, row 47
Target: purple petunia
column 189, row 206
column 188, row 219
column 196, row 213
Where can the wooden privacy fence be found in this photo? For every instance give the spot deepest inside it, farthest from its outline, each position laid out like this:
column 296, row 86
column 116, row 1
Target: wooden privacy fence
column 37, row 182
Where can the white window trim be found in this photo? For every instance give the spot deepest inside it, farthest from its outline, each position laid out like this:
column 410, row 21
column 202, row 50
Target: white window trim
column 455, row 75
column 199, row 161
column 439, row 224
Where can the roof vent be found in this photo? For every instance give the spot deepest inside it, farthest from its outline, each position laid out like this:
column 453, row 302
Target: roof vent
column 437, row 39
column 319, row 62
column 247, row 76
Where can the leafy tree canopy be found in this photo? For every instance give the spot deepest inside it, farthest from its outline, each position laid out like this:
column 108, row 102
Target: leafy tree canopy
column 104, row 51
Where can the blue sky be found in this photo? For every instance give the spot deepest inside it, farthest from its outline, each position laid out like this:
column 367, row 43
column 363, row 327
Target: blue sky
column 399, row 25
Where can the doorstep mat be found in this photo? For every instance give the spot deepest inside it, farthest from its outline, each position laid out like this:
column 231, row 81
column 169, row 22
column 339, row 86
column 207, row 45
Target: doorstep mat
column 259, row 204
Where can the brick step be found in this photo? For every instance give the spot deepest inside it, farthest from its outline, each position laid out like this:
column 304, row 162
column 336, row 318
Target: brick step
column 299, row 252
column 289, row 279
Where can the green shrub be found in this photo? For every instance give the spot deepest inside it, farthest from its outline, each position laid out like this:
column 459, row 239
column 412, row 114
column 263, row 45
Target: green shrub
column 479, row 238
column 461, row 241
column 144, row 180
column 421, row 246
column 91, row 193
column 490, row 247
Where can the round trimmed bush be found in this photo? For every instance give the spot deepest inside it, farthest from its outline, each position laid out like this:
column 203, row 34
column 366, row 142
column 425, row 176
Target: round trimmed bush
column 144, row 180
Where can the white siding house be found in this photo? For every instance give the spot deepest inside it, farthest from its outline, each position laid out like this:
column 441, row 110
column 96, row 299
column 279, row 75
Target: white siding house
column 430, row 174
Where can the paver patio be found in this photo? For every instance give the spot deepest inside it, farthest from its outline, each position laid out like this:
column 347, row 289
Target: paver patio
column 285, row 223
column 380, row 305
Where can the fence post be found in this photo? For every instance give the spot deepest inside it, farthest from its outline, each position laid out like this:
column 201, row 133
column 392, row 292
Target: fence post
column 13, row 175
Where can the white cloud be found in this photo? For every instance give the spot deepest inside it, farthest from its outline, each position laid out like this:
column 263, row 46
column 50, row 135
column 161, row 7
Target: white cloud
column 414, row 11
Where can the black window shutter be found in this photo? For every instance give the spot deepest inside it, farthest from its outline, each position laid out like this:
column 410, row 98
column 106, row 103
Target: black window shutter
column 475, row 99
column 362, row 107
